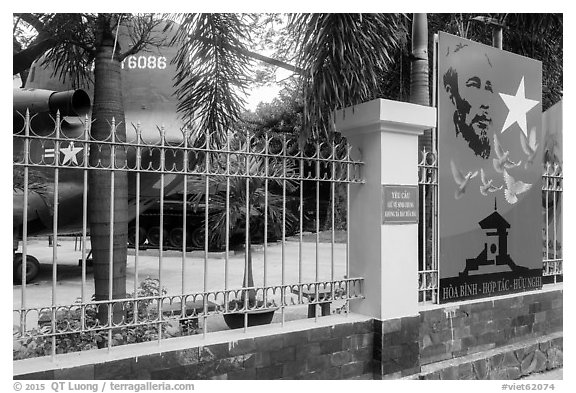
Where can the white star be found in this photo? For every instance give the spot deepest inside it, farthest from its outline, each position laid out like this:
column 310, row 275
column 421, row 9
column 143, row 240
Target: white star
column 70, row 153
column 518, row 105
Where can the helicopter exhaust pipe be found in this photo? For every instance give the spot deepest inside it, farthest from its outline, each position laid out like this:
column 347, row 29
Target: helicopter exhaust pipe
column 69, row 103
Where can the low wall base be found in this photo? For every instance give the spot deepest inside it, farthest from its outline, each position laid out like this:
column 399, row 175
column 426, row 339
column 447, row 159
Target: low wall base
column 500, row 338
column 334, row 348
column 509, row 362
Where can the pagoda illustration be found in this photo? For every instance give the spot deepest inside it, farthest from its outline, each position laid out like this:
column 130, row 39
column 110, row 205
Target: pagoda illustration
column 495, row 250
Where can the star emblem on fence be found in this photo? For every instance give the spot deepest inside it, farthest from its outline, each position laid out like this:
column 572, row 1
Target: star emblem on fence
column 70, row 154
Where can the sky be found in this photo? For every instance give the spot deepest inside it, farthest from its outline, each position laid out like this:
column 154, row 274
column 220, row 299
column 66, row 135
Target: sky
column 266, row 93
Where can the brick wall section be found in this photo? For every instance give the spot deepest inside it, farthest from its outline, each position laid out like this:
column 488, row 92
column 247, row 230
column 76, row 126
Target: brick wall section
column 342, row 351
column 508, row 362
column 368, row 349
column 485, row 325
column 396, row 347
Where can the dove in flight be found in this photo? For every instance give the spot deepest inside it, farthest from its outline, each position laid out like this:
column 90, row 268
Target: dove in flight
column 503, row 161
column 529, row 146
column 461, row 179
column 514, row 188
column 487, row 186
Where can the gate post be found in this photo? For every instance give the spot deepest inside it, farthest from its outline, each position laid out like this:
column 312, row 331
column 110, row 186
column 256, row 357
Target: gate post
column 383, row 225
column 384, row 239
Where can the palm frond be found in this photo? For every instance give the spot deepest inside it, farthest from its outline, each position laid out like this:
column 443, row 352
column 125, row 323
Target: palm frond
column 212, row 69
column 73, row 54
column 260, row 203
column 343, row 57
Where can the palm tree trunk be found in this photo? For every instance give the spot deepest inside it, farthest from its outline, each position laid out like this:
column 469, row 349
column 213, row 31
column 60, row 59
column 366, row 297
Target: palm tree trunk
column 419, row 77
column 107, row 106
column 420, row 94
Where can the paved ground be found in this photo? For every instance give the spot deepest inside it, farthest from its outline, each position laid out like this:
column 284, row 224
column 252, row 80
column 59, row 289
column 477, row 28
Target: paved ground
column 556, row 374
column 182, row 275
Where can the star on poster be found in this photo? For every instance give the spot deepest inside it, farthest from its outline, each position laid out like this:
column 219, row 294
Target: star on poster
column 490, row 172
column 518, row 105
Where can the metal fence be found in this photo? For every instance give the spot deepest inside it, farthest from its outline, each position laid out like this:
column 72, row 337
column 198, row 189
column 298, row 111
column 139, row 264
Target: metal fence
column 260, row 203
column 552, row 187
column 428, row 277
column 428, row 280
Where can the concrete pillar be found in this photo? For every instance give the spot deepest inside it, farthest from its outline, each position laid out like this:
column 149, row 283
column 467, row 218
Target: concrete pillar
column 384, row 251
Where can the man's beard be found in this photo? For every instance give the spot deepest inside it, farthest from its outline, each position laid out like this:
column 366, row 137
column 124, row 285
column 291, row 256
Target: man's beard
column 479, row 143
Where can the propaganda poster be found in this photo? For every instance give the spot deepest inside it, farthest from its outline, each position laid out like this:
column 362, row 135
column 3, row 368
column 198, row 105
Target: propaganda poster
column 490, row 166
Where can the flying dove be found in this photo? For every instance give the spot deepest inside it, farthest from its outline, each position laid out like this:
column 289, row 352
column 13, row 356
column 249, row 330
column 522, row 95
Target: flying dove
column 503, row 161
column 461, row 179
column 529, row 146
column 514, row 188
column 487, row 185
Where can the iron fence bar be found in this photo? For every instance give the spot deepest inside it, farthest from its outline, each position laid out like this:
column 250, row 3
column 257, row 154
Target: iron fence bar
column 436, row 196
column 355, row 283
column 111, row 236
column 283, row 294
column 177, row 148
column 436, row 233
column 227, row 230
column 184, row 217
column 247, row 254
column 434, row 87
column 554, row 229
column 55, row 228
column 161, row 241
column 547, row 256
column 333, row 207
column 23, row 267
column 206, row 232
column 190, row 173
column 137, row 229
column 317, row 228
column 84, row 216
column 266, row 169
column 301, row 214
column 215, row 150
column 347, row 264
column 424, row 237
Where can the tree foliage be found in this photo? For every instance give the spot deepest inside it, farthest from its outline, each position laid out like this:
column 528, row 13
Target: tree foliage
column 69, row 42
column 282, row 115
column 343, row 57
column 538, row 36
column 212, row 69
column 340, row 59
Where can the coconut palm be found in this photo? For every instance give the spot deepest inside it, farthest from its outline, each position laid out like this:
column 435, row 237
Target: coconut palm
column 420, row 94
column 419, row 75
column 72, row 43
